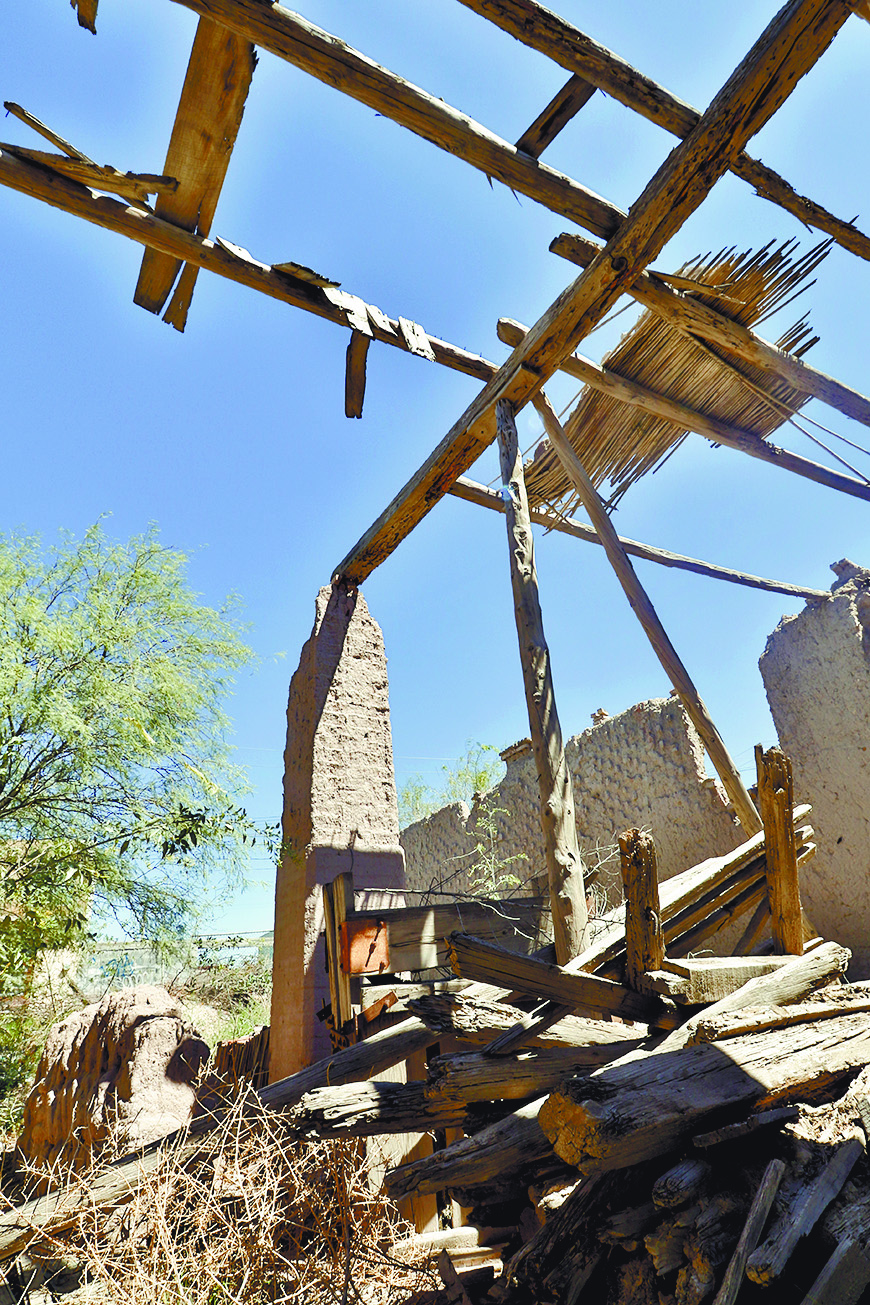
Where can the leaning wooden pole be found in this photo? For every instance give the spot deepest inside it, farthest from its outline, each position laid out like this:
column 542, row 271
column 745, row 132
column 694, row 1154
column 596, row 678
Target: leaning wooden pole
column 646, row 614
column 564, row 863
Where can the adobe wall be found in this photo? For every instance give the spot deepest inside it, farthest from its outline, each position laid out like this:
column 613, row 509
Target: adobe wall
column 816, row 671
column 643, row 767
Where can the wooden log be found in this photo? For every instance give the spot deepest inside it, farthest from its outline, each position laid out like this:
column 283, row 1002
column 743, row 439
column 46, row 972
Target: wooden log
column 693, row 317
column 562, row 108
column 775, row 801
column 707, row 1248
column 540, row 28
column 790, row 45
column 732, row 1024
column 473, row 958
column 475, row 1077
column 652, row 626
column 682, row 1184
column 638, row 396
column 644, row 940
column 527, row 1028
column 844, row 1278
column 490, row 498
column 565, row 868
column 572, row 1232
column 355, row 374
column 476, row 1021
column 767, row 1262
column 135, row 186
column 367, row 1109
column 734, row 1132
column 648, row 1106
column 707, row 979
column 203, row 135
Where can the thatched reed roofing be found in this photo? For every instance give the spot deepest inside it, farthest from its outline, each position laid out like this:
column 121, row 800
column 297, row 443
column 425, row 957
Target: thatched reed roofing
column 618, row 443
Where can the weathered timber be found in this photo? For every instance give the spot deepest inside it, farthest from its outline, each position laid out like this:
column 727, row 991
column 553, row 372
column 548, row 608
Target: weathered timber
column 682, row 1184
column 135, row 186
column 733, row 1132
column 564, row 105
column 475, row 959
column 639, row 396
column 767, row 1262
column 375, row 998
column 565, row 868
column 527, row 1028
column 787, row 49
column 203, row 135
column 732, row 1024
column 476, row 1021
column 709, row 978
column 475, row 1077
column 844, row 1278
column 789, row 983
column 647, row 1106
column 499, row 1149
column 707, row 1248
column 755, row 929
column 690, row 315
column 337, row 895
column 455, row 1291
column 367, row 1109
column 775, row 801
column 572, row 1231
column 355, row 374
column 472, row 492
column 649, row 620
column 86, row 11
column 331, row 60
column 414, row 937
column 644, row 940
column 545, row 31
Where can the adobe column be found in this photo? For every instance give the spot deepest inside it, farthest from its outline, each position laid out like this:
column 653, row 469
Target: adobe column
column 340, row 811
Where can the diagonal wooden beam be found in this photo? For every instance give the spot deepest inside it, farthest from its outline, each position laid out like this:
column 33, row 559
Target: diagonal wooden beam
column 206, row 125
column 695, row 318
column 562, row 108
column 786, row 50
column 542, row 30
column 331, row 60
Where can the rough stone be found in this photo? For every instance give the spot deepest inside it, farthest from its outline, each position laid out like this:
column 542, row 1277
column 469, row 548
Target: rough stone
column 340, row 810
column 124, row 1067
column 816, row 671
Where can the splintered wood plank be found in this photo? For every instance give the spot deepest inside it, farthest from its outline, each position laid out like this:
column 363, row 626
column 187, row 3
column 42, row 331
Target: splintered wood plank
column 776, row 800
column 206, row 125
column 355, row 374
column 564, row 105
column 87, row 13
column 787, row 49
column 708, row 979
column 565, row 868
column 644, row 940
column 752, row 1230
column 133, row 185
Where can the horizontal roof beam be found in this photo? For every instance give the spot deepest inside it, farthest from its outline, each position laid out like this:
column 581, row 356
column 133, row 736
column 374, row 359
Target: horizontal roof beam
column 544, row 31
column 490, row 498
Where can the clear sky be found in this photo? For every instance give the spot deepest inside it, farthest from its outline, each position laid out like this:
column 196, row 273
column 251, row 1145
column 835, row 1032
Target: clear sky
column 232, row 436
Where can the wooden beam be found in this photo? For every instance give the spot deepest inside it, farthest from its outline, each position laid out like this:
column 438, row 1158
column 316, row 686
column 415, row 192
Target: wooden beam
column 355, row 374
column 87, row 13
column 565, row 868
column 733, row 437
column 337, row 900
column 562, row 108
column 695, row 318
column 652, row 626
column 787, row 49
column 776, row 801
column 752, row 1230
column 644, row 940
column 472, row 492
column 546, row 32
column 135, row 186
column 206, row 125
column 331, row 60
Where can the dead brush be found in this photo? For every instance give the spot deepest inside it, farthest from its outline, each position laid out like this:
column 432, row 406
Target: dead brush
column 255, row 1215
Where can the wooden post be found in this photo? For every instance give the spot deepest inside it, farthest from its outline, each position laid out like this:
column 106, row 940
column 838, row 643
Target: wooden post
column 644, row 940
column 646, row 614
column 564, row 864
column 337, row 901
column 776, row 800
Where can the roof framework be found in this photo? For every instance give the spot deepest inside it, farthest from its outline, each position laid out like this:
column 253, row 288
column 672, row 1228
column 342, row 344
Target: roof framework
column 175, row 233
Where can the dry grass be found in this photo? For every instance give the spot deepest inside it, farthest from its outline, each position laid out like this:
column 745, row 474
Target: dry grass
column 256, row 1216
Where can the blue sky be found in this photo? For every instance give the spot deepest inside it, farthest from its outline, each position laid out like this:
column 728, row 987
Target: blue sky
column 232, row 436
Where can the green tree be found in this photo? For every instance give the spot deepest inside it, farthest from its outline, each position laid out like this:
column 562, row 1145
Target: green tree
column 117, row 791
column 477, row 771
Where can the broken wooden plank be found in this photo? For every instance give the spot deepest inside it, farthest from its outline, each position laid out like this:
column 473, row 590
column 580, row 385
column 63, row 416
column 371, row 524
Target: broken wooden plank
column 476, row 1077
column 649, row 620
column 787, row 49
column 732, row 1024
column 775, row 802
column 844, row 1278
column 545, row 31
column 203, row 135
column 136, row 186
column 476, row 1021
column 30, row 120
column 337, row 896
column 565, row 868
column 733, row 1132
column 355, row 374
column 693, row 317
column 696, row 982
column 371, row 1108
column 752, row 1230
column 644, row 940
column 86, row 11
column 562, row 108
column 483, row 496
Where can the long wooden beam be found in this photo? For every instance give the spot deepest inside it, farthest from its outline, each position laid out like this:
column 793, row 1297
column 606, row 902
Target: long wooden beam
column 566, row 45
column 331, row 60
column 787, row 49
column 490, row 498
column 696, row 318
column 628, row 391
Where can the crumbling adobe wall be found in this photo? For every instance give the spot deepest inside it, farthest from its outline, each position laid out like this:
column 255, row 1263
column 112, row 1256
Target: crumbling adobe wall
column 816, row 670
column 643, row 767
